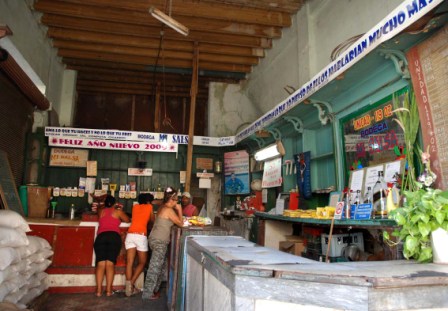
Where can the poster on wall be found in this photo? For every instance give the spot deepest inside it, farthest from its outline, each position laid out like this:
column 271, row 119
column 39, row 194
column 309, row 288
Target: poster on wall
column 236, row 171
column 272, row 173
column 428, row 65
column 371, row 136
column 68, row 157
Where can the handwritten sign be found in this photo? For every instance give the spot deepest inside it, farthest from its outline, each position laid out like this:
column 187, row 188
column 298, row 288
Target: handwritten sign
column 272, row 174
column 427, row 65
column 68, row 157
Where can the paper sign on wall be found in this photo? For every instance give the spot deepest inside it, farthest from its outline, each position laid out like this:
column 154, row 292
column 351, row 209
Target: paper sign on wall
column 272, row 174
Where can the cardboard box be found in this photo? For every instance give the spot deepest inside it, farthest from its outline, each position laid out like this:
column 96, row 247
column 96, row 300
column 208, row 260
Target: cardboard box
column 37, row 201
column 292, row 247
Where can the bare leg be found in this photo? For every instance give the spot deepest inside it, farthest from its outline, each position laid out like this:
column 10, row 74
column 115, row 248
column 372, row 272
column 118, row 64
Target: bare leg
column 142, row 257
column 110, row 273
column 130, row 257
column 99, row 273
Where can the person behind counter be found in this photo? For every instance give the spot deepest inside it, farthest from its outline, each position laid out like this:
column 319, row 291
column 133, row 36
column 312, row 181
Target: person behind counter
column 168, row 214
column 107, row 244
column 188, row 209
column 136, row 242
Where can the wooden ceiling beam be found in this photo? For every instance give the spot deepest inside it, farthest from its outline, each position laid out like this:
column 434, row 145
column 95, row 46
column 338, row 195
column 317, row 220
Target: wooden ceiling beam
column 288, row 6
column 88, row 67
column 94, row 89
column 139, row 60
column 149, row 43
column 151, row 32
column 144, row 18
column 224, row 12
column 115, row 49
column 133, row 86
column 137, row 79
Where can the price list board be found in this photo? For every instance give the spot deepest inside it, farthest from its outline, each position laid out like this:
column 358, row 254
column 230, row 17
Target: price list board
column 428, row 65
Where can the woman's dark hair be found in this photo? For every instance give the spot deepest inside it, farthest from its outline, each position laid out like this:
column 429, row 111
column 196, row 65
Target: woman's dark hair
column 109, row 201
column 169, row 193
column 145, row 198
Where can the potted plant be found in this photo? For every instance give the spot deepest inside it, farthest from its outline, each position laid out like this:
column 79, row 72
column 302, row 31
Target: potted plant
column 423, row 215
column 425, row 210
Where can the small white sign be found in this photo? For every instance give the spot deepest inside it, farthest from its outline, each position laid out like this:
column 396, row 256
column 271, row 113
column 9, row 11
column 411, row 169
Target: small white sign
column 133, row 171
column 205, row 183
column 339, row 210
column 205, row 175
column 272, row 174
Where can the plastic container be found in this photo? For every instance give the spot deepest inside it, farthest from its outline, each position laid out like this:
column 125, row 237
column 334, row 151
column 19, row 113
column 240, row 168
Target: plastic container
column 293, row 200
column 23, row 194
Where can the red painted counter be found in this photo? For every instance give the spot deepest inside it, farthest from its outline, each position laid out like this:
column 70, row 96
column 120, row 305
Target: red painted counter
column 73, row 263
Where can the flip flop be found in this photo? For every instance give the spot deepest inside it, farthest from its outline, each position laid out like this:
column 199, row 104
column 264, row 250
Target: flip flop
column 136, row 291
column 155, row 296
column 98, row 294
column 108, row 294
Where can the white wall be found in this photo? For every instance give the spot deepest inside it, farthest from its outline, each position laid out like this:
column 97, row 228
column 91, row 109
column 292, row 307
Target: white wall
column 229, row 109
column 30, row 39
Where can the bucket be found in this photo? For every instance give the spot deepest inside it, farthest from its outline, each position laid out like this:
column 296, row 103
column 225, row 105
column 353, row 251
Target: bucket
column 439, row 241
column 23, row 195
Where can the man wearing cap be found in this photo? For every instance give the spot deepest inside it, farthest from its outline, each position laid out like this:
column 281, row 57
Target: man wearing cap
column 188, row 209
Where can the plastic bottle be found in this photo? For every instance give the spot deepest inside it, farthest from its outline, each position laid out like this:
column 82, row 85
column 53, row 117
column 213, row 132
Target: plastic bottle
column 347, row 205
column 72, row 211
column 379, row 197
column 368, row 195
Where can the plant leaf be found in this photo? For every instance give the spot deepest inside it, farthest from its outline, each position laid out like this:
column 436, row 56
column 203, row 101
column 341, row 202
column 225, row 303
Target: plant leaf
column 424, row 228
column 440, row 217
column 410, row 245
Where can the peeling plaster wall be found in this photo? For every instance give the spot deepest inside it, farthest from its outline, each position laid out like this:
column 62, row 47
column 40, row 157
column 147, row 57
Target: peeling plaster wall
column 30, row 39
column 303, row 50
column 229, row 109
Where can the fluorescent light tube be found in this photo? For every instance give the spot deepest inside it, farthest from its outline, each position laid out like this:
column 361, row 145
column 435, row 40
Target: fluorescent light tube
column 169, row 21
column 267, row 153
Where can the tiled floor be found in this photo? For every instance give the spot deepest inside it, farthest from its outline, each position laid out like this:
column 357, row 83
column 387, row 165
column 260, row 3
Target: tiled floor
column 89, row 302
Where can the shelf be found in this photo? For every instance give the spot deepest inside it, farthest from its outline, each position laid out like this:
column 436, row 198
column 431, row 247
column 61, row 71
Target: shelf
column 376, row 223
column 322, row 156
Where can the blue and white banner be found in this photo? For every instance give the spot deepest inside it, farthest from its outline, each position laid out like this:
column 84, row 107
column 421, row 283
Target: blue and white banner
column 138, row 136
column 403, row 16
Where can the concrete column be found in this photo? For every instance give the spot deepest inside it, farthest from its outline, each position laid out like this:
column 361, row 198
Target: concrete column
column 68, row 97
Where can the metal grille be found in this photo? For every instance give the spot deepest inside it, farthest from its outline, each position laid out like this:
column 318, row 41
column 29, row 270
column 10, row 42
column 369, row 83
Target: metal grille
column 16, row 117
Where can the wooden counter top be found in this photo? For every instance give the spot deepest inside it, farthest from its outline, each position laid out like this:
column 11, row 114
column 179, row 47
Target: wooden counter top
column 67, row 222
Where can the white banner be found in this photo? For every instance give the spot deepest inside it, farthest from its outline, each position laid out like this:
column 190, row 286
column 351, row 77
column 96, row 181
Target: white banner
column 111, row 144
column 272, row 173
column 51, row 131
column 395, row 22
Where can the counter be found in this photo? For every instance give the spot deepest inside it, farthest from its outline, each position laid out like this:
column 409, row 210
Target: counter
column 230, row 273
column 272, row 229
column 73, row 264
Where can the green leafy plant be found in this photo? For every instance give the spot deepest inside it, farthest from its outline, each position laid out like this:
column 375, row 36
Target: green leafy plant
column 425, row 209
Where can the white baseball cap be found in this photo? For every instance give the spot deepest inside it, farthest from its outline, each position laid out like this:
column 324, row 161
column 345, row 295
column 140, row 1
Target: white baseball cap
column 186, row 194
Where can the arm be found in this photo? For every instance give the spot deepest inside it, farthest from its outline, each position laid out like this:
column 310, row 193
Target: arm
column 123, row 216
column 175, row 215
column 196, row 211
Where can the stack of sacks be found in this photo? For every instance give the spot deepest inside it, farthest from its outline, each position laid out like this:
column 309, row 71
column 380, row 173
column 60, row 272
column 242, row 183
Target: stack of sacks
column 23, row 260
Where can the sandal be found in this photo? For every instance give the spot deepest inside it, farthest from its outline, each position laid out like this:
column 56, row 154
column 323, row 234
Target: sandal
column 155, row 296
column 136, row 291
column 128, row 288
column 108, row 294
column 98, row 294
